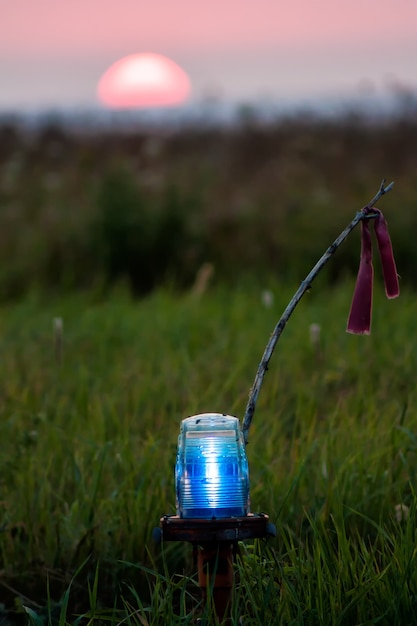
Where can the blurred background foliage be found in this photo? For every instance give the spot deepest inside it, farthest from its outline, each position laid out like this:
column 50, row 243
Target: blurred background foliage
column 82, row 210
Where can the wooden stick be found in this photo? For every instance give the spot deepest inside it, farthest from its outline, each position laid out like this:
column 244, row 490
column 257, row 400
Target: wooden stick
column 365, row 213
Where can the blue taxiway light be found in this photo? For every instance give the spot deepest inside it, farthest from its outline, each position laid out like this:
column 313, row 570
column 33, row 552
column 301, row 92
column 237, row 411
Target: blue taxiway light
column 211, row 472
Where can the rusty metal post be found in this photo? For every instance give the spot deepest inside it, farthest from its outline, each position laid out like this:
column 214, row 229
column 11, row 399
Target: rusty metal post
column 215, row 542
column 215, row 576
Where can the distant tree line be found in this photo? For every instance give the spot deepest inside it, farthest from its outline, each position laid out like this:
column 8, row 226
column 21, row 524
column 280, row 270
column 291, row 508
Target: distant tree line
column 83, row 210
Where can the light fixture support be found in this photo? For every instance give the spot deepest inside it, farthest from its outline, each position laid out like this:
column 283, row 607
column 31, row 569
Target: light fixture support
column 215, row 542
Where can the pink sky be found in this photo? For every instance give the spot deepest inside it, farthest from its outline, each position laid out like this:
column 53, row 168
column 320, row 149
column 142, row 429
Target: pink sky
column 53, row 52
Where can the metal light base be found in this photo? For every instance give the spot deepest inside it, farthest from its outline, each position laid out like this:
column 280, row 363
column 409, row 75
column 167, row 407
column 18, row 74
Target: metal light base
column 203, row 531
column 215, row 541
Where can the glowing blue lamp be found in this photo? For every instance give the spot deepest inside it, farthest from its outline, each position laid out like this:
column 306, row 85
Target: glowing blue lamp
column 211, row 472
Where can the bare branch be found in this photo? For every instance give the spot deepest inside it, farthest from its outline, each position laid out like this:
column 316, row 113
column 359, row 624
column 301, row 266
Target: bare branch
column 381, row 192
column 365, row 213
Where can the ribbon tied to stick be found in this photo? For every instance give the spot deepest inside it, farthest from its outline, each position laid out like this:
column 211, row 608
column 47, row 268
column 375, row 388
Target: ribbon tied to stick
column 359, row 322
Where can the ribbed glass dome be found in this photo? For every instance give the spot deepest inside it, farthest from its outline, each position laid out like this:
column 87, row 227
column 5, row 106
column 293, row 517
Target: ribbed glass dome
column 211, row 473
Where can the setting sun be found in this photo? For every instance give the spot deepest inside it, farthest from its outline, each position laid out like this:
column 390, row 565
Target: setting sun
column 143, row 80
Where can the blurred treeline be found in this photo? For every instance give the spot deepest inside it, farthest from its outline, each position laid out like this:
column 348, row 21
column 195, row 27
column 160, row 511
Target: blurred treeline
column 81, row 210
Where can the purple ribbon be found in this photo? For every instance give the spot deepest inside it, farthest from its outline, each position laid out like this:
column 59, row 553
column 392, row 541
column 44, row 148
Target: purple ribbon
column 359, row 322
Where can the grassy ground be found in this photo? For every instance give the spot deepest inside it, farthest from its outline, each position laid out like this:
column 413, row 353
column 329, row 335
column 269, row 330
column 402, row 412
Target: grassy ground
column 88, row 430
column 88, row 440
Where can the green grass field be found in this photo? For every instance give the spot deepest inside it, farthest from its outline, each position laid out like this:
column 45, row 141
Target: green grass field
column 88, row 440
column 88, row 429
